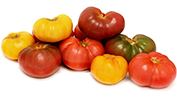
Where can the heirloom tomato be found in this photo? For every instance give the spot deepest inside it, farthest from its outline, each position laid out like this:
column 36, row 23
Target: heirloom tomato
column 77, row 54
column 98, row 25
column 154, row 70
column 128, row 48
column 109, row 69
column 13, row 43
column 53, row 30
column 79, row 34
column 40, row 60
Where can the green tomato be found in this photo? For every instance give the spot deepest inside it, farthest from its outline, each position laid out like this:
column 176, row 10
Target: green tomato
column 129, row 48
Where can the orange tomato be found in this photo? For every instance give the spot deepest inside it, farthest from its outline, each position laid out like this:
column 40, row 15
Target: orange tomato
column 109, row 69
column 15, row 42
column 53, row 30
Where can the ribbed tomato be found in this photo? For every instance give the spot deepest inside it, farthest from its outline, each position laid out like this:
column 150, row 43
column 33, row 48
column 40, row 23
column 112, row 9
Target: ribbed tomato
column 98, row 25
column 40, row 60
column 153, row 69
column 77, row 54
column 15, row 42
column 53, row 30
column 129, row 48
column 109, row 69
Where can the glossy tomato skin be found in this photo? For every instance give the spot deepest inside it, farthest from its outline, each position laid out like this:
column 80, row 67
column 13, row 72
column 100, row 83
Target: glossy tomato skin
column 109, row 69
column 77, row 54
column 53, row 30
column 155, row 70
column 98, row 25
column 13, row 43
column 79, row 34
column 40, row 60
column 129, row 48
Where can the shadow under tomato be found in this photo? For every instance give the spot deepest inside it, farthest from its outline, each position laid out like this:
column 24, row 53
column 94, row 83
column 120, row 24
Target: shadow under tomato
column 69, row 69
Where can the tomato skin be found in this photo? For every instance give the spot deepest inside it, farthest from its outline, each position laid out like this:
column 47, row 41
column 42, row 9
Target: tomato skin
column 53, row 30
column 35, row 38
column 129, row 48
column 109, row 69
column 77, row 54
column 155, row 70
column 13, row 43
column 79, row 34
column 98, row 25
column 40, row 60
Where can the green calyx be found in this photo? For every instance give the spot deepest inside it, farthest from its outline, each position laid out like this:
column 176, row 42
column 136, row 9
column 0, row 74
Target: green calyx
column 83, row 44
column 16, row 36
column 132, row 41
column 155, row 60
column 103, row 16
column 41, row 46
column 109, row 57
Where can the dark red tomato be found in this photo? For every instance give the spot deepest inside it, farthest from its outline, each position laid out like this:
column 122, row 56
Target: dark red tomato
column 153, row 69
column 98, row 25
column 77, row 54
column 79, row 34
column 40, row 60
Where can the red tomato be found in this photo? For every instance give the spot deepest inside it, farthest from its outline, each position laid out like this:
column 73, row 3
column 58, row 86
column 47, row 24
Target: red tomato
column 154, row 70
column 77, row 54
column 98, row 25
column 40, row 60
column 79, row 34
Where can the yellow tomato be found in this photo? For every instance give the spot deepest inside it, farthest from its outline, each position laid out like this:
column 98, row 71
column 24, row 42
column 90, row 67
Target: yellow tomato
column 109, row 69
column 53, row 30
column 15, row 42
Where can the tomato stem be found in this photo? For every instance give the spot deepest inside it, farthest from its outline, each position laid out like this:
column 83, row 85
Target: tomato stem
column 132, row 41
column 155, row 60
column 83, row 44
column 109, row 57
column 41, row 46
column 54, row 19
column 15, row 36
column 103, row 16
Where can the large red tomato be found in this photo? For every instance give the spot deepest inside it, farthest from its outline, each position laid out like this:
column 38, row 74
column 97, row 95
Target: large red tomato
column 153, row 69
column 98, row 25
column 40, row 60
column 77, row 54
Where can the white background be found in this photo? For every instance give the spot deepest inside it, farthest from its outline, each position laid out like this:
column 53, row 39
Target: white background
column 154, row 18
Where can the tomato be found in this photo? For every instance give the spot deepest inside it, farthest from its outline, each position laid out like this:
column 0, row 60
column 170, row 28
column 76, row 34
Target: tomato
column 98, row 25
column 129, row 48
column 53, row 30
column 109, row 69
column 40, row 60
column 154, row 70
column 77, row 54
column 79, row 34
column 13, row 43
column 35, row 38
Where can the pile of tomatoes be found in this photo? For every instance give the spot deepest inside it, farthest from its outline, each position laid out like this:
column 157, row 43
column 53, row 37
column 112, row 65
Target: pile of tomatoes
column 95, row 44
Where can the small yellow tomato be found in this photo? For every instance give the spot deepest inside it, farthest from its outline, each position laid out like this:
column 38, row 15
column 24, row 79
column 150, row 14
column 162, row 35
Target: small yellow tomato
column 53, row 30
column 13, row 43
column 109, row 69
